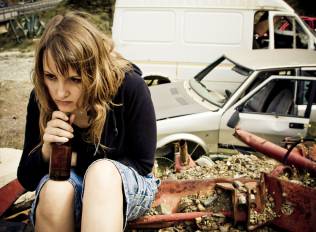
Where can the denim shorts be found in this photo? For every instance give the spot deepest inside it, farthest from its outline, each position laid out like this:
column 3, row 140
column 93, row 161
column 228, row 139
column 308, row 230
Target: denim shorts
column 139, row 192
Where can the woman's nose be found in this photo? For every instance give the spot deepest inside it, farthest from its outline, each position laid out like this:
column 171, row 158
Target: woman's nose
column 62, row 91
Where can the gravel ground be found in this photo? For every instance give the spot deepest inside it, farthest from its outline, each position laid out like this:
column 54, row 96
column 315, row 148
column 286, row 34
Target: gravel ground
column 16, row 66
column 15, row 87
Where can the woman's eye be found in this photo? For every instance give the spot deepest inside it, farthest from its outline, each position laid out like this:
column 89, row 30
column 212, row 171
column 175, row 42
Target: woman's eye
column 50, row 77
column 75, row 80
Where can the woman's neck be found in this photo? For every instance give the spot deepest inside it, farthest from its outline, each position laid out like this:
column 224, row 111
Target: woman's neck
column 81, row 119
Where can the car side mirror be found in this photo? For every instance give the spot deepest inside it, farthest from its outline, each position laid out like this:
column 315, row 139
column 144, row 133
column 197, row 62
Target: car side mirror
column 234, row 119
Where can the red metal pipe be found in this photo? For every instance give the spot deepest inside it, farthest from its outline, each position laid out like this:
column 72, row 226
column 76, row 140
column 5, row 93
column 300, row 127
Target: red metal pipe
column 181, row 167
column 275, row 151
column 165, row 220
column 183, row 160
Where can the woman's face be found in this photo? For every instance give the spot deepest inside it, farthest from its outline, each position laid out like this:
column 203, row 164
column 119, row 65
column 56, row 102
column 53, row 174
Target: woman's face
column 65, row 91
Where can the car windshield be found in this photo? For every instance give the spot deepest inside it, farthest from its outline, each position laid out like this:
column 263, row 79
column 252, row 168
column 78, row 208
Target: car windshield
column 219, row 81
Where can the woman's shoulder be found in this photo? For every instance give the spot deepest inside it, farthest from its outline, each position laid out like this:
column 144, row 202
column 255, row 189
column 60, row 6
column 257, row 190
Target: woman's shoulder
column 133, row 79
column 32, row 98
column 132, row 88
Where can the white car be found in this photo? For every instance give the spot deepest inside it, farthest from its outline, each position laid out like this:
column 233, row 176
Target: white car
column 265, row 92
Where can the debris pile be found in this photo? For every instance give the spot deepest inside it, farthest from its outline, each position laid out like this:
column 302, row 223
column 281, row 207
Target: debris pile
column 236, row 166
column 219, row 200
column 216, row 201
column 216, row 222
column 299, row 177
column 266, row 215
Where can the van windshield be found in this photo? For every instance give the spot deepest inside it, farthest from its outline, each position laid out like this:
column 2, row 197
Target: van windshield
column 219, row 81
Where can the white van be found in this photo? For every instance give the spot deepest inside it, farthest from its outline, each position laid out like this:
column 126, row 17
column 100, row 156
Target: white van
column 175, row 39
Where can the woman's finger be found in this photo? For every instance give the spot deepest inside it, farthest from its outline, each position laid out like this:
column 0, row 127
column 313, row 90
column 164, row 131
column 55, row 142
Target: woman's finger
column 54, row 139
column 58, row 132
column 60, row 115
column 58, row 123
column 72, row 118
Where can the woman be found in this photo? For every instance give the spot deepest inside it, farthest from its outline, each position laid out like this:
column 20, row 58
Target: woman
column 112, row 128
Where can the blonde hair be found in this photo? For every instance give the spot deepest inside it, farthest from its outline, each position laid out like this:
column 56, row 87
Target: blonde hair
column 75, row 43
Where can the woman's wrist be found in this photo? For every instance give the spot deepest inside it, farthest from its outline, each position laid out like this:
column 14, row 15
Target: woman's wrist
column 74, row 159
column 46, row 151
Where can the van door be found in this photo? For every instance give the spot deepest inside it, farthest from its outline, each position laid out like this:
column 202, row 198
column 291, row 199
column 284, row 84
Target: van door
column 287, row 30
column 273, row 110
column 143, row 35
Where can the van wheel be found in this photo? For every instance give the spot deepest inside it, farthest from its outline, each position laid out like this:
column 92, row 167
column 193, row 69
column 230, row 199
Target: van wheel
column 156, row 80
column 168, row 151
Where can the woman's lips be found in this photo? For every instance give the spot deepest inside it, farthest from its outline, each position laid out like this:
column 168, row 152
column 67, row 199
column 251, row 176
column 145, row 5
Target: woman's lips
column 64, row 103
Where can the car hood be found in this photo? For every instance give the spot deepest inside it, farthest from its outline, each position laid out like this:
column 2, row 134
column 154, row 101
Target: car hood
column 171, row 100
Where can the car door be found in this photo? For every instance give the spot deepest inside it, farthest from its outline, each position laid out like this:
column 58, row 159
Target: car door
column 273, row 110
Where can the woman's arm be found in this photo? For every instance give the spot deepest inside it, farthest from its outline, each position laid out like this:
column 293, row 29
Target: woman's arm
column 140, row 121
column 32, row 167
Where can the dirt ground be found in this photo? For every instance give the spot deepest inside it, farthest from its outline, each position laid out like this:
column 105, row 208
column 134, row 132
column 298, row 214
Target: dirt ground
column 15, row 87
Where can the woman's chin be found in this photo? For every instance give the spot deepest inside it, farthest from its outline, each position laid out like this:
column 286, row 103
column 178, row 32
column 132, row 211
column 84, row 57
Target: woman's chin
column 66, row 109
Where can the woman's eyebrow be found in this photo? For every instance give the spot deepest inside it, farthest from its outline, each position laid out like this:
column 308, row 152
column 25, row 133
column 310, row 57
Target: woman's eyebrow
column 74, row 76
column 48, row 72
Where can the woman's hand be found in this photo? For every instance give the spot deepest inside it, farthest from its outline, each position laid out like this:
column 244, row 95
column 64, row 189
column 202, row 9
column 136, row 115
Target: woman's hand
column 58, row 129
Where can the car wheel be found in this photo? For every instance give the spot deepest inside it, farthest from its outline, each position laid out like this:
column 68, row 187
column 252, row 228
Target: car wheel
column 156, row 80
column 2, row 4
column 168, row 151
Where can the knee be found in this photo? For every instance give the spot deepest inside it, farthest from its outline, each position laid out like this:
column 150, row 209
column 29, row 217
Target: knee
column 103, row 174
column 54, row 197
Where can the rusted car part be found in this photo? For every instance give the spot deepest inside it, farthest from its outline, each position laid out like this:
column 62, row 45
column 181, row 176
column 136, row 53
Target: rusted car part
column 294, row 204
column 287, row 205
column 183, row 159
column 9, row 193
column 170, row 193
column 239, row 196
column 281, row 169
column 305, row 146
column 275, row 151
column 251, row 203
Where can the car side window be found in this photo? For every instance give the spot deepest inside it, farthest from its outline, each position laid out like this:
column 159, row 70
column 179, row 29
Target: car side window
column 288, row 33
column 304, row 93
column 266, row 74
column 276, row 97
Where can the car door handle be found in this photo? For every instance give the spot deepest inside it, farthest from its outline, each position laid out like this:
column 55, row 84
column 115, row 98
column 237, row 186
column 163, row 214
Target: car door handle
column 294, row 125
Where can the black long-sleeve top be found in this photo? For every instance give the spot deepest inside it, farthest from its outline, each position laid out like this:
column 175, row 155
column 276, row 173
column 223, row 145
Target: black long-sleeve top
column 129, row 135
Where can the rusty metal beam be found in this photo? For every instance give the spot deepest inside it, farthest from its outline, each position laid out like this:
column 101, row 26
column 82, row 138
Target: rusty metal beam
column 9, row 194
column 295, row 204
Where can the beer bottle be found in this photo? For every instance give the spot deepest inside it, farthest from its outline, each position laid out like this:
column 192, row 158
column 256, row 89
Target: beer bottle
column 60, row 161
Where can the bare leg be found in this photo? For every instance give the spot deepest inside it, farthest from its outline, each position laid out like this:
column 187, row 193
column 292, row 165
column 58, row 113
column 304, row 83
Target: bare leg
column 102, row 207
column 55, row 210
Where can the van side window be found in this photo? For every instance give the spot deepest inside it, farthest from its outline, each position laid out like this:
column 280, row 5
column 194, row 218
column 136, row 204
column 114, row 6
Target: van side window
column 261, row 30
column 288, row 33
